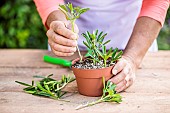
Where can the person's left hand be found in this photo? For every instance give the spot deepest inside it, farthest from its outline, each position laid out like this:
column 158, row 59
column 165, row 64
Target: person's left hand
column 124, row 71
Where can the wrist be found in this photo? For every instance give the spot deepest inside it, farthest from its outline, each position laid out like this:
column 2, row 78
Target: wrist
column 133, row 57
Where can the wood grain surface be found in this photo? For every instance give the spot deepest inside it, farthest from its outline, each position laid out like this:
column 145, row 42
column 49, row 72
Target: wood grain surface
column 149, row 94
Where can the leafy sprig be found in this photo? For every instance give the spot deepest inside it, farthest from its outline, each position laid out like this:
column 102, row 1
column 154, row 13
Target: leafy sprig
column 109, row 95
column 48, row 87
column 94, row 43
column 72, row 13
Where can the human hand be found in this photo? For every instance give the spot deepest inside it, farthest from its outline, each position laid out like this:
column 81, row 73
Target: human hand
column 61, row 39
column 124, row 72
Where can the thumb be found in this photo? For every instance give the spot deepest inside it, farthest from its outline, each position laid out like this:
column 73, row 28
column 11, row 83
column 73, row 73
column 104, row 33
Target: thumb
column 69, row 26
column 119, row 66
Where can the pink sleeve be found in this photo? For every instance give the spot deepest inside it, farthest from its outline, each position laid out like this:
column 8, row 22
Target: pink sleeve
column 45, row 7
column 155, row 9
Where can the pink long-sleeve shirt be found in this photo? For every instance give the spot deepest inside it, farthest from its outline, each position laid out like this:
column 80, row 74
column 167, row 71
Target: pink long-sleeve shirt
column 155, row 9
column 116, row 17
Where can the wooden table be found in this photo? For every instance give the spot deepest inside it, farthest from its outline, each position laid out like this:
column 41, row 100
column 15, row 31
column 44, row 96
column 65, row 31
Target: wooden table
column 149, row 94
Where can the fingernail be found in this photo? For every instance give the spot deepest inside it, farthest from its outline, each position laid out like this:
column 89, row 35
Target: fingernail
column 114, row 71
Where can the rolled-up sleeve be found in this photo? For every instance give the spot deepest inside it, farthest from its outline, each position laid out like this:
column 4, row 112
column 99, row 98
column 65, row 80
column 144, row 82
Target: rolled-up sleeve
column 155, row 9
column 45, row 7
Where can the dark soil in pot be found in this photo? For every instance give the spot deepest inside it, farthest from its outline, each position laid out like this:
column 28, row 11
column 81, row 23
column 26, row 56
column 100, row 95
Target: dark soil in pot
column 89, row 64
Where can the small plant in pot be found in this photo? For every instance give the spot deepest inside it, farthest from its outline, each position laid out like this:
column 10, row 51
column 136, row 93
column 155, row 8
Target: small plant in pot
column 98, row 63
column 90, row 70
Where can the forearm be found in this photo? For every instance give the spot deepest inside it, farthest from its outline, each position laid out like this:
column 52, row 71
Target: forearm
column 144, row 33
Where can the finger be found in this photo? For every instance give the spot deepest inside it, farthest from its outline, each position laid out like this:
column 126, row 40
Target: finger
column 121, row 88
column 60, row 28
column 57, row 53
column 119, row 77
column 63, row 49
column 60, row 39
column 124, row 84
column 118, row 67
column 120, row 85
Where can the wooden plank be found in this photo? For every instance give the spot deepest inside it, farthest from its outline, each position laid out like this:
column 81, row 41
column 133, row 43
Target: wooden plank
column 18, row 102
column 27, row 58
column 34, row 59
column 147, row 81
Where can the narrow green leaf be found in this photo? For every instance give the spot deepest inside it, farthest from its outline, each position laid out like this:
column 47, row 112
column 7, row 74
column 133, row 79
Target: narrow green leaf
column 29, row 88
column 22, row 83
column 40, row 87
column 46, row 86
column 32, row 82
column 96, row 32
column 119, row 55
column 100, row 35
column 102, row 38
column 30, row 91
column 110, row 51
column 106, row 42
column 86, row 44
column 104, row 49
column 100, row 53
column 49, row 75
column 38, row 76
column 114, row 53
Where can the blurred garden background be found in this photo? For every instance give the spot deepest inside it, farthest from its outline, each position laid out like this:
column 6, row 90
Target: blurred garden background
column 21, row 26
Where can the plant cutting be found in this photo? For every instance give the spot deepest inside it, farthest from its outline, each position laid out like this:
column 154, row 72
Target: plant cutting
column 73, row 13
column 97, row 63
column 48, row 87
column 109, row 95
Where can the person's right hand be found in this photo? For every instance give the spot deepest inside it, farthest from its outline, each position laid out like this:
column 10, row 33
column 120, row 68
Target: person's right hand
column 61, row 39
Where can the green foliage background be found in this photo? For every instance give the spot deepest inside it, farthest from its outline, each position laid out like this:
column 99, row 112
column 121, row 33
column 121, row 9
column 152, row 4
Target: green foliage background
column 21, row 26
column 164, row 35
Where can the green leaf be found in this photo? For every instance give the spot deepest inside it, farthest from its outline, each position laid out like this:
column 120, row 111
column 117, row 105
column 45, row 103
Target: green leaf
column 46, row 86
column 30, row 91
column 38, row 76
column 114, row 53
column 50, row 75
column 109, row 52
column 42, row 93
column 118, row 56
column 32, row 82
column 86, row 44
column 100, row 53
column 106, row 42
column 83, row 10
column 63, row 7
column 40, row 87
column 96, row 32
column 22, row 83
column 104, row 49
column 100, row 35
column 102, row 38
column 29, row 88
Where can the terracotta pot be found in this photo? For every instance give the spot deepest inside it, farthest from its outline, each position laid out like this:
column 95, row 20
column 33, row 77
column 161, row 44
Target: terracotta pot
column 89, row 81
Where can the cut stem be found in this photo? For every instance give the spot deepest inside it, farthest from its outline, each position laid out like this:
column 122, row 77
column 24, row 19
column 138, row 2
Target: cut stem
column 89, row 104
column 72, row 24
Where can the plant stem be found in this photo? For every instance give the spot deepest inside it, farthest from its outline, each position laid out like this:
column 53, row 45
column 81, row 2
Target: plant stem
column 89, row 104
column 104, row 62
column 72, row 25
